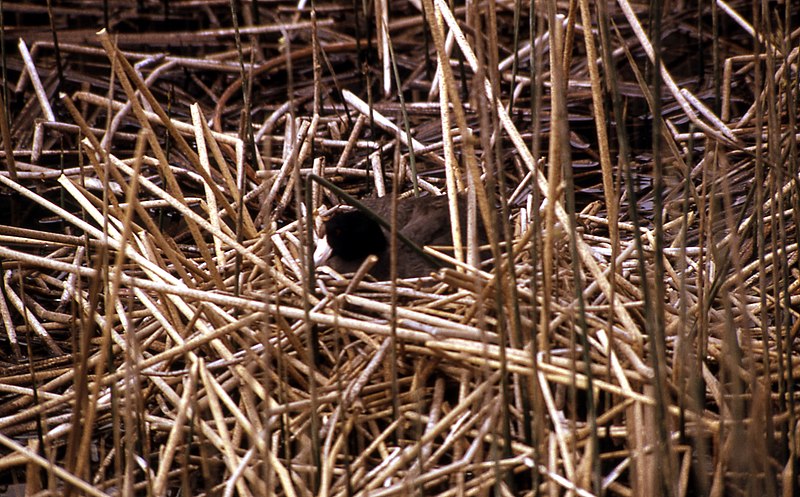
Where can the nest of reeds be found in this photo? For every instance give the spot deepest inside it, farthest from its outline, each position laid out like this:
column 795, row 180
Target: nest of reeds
column 164, row 331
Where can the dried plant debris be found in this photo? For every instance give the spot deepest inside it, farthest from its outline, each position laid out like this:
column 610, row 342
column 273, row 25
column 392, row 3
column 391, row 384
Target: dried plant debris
column 624, row 325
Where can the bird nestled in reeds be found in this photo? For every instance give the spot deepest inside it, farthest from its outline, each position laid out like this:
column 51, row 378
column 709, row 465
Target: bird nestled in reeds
column 350, row 236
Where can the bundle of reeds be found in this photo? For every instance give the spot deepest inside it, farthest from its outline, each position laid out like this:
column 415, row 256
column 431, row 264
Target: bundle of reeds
column 165, row 332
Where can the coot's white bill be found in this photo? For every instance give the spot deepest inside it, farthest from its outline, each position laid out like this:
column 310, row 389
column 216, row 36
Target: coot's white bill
column 323, row 251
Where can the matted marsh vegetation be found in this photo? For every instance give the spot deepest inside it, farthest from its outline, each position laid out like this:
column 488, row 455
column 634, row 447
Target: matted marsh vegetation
column 634, row 334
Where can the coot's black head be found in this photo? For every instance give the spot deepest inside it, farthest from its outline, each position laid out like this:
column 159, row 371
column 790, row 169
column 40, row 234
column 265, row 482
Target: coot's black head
column 353, row 236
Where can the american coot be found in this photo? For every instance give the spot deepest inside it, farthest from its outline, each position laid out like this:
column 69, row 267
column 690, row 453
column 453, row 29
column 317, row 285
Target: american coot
column 351, row 236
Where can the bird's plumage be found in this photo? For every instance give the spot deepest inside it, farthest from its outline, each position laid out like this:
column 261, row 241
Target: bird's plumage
column 352, row 235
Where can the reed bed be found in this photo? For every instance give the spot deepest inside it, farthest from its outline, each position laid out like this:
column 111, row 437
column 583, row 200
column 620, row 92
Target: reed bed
column 164, row 331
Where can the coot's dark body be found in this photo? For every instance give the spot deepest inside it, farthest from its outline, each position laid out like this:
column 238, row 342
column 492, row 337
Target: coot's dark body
column 353, row 236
